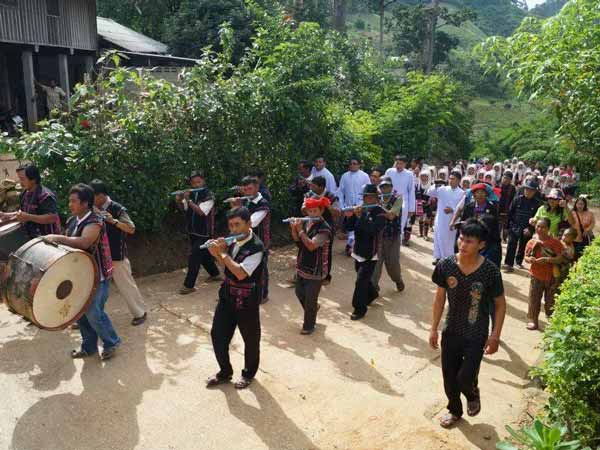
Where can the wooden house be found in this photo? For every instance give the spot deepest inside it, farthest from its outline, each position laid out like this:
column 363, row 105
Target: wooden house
column 43, row 40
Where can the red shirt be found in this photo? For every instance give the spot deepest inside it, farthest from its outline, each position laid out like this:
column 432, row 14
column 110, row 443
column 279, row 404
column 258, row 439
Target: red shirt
column 551, row 247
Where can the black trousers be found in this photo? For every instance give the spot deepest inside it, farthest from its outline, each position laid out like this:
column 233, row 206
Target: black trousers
column 197, row 259
column 517, row 242
column 461, row 359
column 364, row 289
column 307, row 292
column 226, row 319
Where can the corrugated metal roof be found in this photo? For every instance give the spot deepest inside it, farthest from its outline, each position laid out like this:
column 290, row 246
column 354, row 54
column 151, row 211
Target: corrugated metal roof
column 128, row 39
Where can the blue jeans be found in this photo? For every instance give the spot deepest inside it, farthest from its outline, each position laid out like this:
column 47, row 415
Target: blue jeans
column 95, row 323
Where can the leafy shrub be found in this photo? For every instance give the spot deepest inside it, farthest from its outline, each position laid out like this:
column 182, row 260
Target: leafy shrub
column 359, row 24
column 539, row 437
column 571, row 368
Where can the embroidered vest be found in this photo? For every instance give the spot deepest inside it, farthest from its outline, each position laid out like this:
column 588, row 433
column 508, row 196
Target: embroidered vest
column 369, row 232
column 101, row 249
column 392, row 227
column 197, row 225
column 314, row 265
column 30, row 202
column 263, row 230
column 245, row 293
column 116, row 237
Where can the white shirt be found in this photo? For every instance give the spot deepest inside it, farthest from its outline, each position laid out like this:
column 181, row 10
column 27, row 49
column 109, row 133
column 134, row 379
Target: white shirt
column 83, row 218
column 351, row 187
column 404, row 185
column 257, row 217
column 251, row 262
column 330, row 185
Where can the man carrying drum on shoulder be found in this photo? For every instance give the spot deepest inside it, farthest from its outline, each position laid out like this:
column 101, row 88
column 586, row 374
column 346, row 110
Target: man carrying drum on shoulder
column 38, row 211
column 86, row 231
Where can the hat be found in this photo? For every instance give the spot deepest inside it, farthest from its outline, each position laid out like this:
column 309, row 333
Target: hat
column 507, row 174
column 370, row 189
column 387, row 181
column 555, row 194
column 479, row 186
column 531, row 184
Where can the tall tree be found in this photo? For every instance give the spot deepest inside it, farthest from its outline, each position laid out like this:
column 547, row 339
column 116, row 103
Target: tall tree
column 340, row 8
column 432, row 18
column 416, row 33
column 380, row 7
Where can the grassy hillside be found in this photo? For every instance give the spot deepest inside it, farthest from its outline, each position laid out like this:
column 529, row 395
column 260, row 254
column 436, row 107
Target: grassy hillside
column 493, row 114
column 468, row 34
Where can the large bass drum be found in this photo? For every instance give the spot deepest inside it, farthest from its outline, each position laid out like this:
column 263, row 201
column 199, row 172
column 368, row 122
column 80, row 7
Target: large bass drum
column 12, row 236
column 50, row 285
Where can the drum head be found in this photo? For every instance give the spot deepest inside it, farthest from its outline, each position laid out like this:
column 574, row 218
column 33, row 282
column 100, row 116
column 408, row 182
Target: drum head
column 9, row 227
column 64, row 291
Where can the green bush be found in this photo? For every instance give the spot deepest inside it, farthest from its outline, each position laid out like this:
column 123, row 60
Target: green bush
column 539, row 437
column 359, row 24
column 571, row 368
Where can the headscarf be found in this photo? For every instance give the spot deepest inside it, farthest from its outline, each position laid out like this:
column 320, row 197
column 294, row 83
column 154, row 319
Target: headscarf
column 424, row 173
column 312, row 202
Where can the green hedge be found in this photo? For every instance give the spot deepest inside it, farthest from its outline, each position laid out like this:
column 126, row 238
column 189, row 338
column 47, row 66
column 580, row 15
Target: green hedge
column 571, row 369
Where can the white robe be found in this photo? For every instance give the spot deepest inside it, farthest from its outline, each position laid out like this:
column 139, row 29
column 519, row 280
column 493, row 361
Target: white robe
column 351, row 187
column 404, row 186
column 331, row 185
column 444, row 238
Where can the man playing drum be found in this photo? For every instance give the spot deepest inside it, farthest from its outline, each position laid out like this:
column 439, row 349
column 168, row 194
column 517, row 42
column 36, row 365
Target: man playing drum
column 38, row 211
column 86, row 231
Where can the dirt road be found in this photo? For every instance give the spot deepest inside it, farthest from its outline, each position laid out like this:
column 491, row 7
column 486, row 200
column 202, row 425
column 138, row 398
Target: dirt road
column 373, row 384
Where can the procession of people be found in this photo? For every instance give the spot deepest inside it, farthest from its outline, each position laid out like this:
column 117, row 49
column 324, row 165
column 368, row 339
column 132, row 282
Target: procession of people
column 472, row 208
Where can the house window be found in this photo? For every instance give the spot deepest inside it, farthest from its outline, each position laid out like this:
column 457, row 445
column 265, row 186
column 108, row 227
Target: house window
column 8, row 2
column 52, row 7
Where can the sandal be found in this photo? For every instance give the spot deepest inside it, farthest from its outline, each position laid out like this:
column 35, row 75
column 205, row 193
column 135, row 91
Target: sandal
column 532, row 326
column 474, row 407
column 108, row 353
column 78, row 354
column 448, row 420
column 216, row 381
column 243, row 383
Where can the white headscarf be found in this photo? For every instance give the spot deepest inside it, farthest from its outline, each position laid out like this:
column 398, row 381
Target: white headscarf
column 425, row 173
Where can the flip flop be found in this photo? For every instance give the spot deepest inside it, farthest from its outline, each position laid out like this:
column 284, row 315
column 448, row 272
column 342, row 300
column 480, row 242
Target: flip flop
column 474, row 407
column 216, row 381
column 448, row 420
column 243, row 383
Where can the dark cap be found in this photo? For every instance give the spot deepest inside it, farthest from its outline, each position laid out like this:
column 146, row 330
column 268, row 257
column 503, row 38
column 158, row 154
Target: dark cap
column 370, row 189
column 386, row 181
column 531, row 184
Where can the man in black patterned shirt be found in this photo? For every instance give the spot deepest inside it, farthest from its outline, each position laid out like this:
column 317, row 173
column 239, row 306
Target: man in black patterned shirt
column 472, row 285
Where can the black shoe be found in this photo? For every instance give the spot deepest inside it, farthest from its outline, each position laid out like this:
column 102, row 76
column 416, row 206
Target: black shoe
column 108, row 353
column 139, row 320
column 79, row 354
column 357, row 316
column 400, row 286
column 306, row 332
